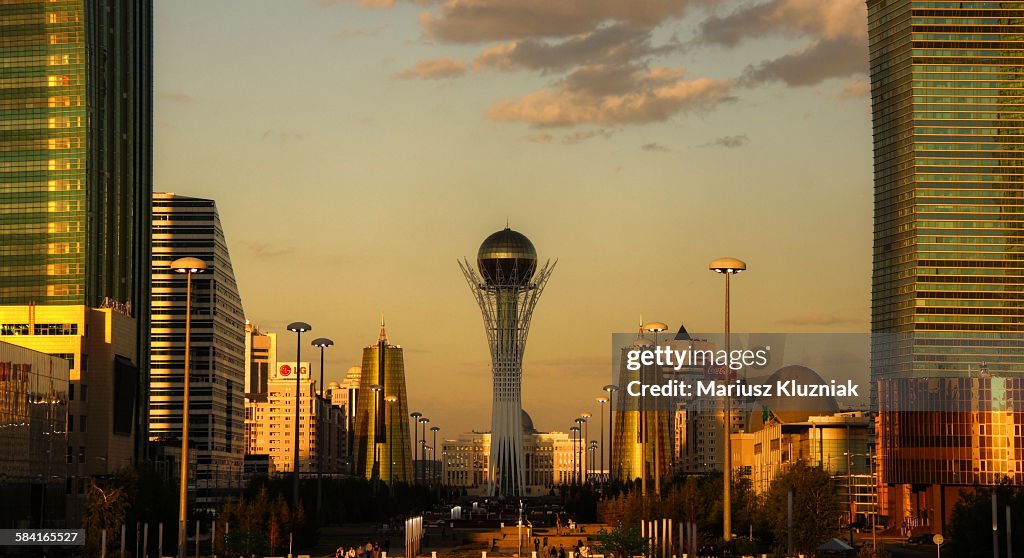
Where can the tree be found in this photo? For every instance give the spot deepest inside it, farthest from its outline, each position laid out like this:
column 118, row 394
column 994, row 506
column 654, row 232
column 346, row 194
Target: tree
column 105, row 511
column 816, row 507
column 623, row 541
column 970, row 527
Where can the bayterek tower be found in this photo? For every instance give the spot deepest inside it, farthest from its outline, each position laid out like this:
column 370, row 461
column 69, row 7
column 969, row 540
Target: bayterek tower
column 507, row 288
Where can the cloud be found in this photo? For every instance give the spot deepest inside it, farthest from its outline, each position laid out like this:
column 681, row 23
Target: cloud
column 583, row 135
column 855, row 89
column 820, row 19
column 609, row 45
column 363, row 3
column 501, row 20
column 812, row 64
column 813, row 319
column 731, row 142
column 264, row 250
column 542, row 137
column 653, row 146
column 437, row 68
column 282, row 135
column 614, row 95
column 346, row 34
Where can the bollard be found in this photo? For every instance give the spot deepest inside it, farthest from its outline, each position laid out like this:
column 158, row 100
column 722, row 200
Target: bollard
column 433, row 554
column 483, row 554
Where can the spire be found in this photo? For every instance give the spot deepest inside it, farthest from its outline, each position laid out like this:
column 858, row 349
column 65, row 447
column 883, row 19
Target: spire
column 640, row 327
column 383, row 338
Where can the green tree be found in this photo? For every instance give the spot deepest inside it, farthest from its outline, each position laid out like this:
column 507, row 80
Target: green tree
column 622, row 541
column 816, row 507
column 970, row 526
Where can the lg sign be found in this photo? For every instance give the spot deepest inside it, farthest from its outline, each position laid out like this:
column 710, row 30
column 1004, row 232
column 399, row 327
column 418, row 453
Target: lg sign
column 288, row 370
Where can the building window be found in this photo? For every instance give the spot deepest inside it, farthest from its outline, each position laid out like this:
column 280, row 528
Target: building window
column 56, row 329
column 82, row 424
column 13, row 329
column 84, row 392
column 71, row 423
column 71, row 391
column 81, row 454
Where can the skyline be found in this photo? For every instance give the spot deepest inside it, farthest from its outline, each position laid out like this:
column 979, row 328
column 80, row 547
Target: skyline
column 341, row 129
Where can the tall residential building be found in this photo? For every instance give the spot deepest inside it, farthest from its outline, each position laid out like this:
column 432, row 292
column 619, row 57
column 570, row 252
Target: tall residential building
column 947, row 281
column 271, row 424
column 185, row 226
column 260, row 359
column 383, row 449
column 76, row 166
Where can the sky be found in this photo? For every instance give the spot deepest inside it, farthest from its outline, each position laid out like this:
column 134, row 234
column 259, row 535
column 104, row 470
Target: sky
column 357, row 150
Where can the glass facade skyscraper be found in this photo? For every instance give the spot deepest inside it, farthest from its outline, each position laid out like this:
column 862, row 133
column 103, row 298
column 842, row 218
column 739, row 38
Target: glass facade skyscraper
column 75, row 158
column 948, row 280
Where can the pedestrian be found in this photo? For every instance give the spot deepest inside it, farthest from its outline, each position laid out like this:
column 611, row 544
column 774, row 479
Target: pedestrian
column 561, row 551
column 536, row 545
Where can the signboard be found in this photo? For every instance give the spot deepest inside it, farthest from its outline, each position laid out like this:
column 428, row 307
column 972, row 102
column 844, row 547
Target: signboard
column 287, row 371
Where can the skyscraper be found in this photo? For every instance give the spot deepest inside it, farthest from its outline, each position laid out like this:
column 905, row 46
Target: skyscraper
column 185, row 226
column 948, row 112
column 507, row 293
column 383, row 450
column 75, row 178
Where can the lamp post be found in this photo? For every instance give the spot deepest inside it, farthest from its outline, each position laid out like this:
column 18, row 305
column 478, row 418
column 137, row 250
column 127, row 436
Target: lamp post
column 415, row 442
column 580, row 421
column 602, row 401
column 727, row 267
column 611, row 389
column 188, row 266
column 586, row 434
column 375, row 391
column 391, row 400
column 322, row 343
column 299, row 328
column 423, row 447
column 433, row 455
column 573, row 432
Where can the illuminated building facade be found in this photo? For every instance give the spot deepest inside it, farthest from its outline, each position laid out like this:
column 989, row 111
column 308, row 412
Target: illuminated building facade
column 946, row 286
column 76, row 160
column 185, row 226
column 383, row 448
column 548, row 457
column 507, row 289
column 33, row 437
column 271, row 424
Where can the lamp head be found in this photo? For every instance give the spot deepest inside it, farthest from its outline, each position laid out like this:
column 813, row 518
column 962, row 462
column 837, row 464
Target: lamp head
column 299, row 327
column 611, row 388
column 416, row 415
column 602, row 400
column 435, row 428
column 424, row 420
column 391, row 398
column 376, row 387
column 655, row 327
column 585, row 415
column 322, row 342
column 188, row 265
column 727, row 265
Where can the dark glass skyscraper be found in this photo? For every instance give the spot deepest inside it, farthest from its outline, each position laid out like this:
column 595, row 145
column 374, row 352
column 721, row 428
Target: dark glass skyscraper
column 75, row 156
column 948, row 281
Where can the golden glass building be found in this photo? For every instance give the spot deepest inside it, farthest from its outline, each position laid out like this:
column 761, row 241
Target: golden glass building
column 76, row 159
column 636, row 418
column 383, row 447
column 948, row 277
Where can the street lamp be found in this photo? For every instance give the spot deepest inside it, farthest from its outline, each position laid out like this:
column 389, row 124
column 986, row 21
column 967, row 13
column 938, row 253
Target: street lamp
column 611, row 389
column 727, row 267
column 391, row 400
column 586, row 434
column 433, row 454
column 580, row 421
column 415, row 441
column 602, row 401
column 573, row 430
column 299, row 328
column 322, row 343
column 188, row 266
column 423, row 447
